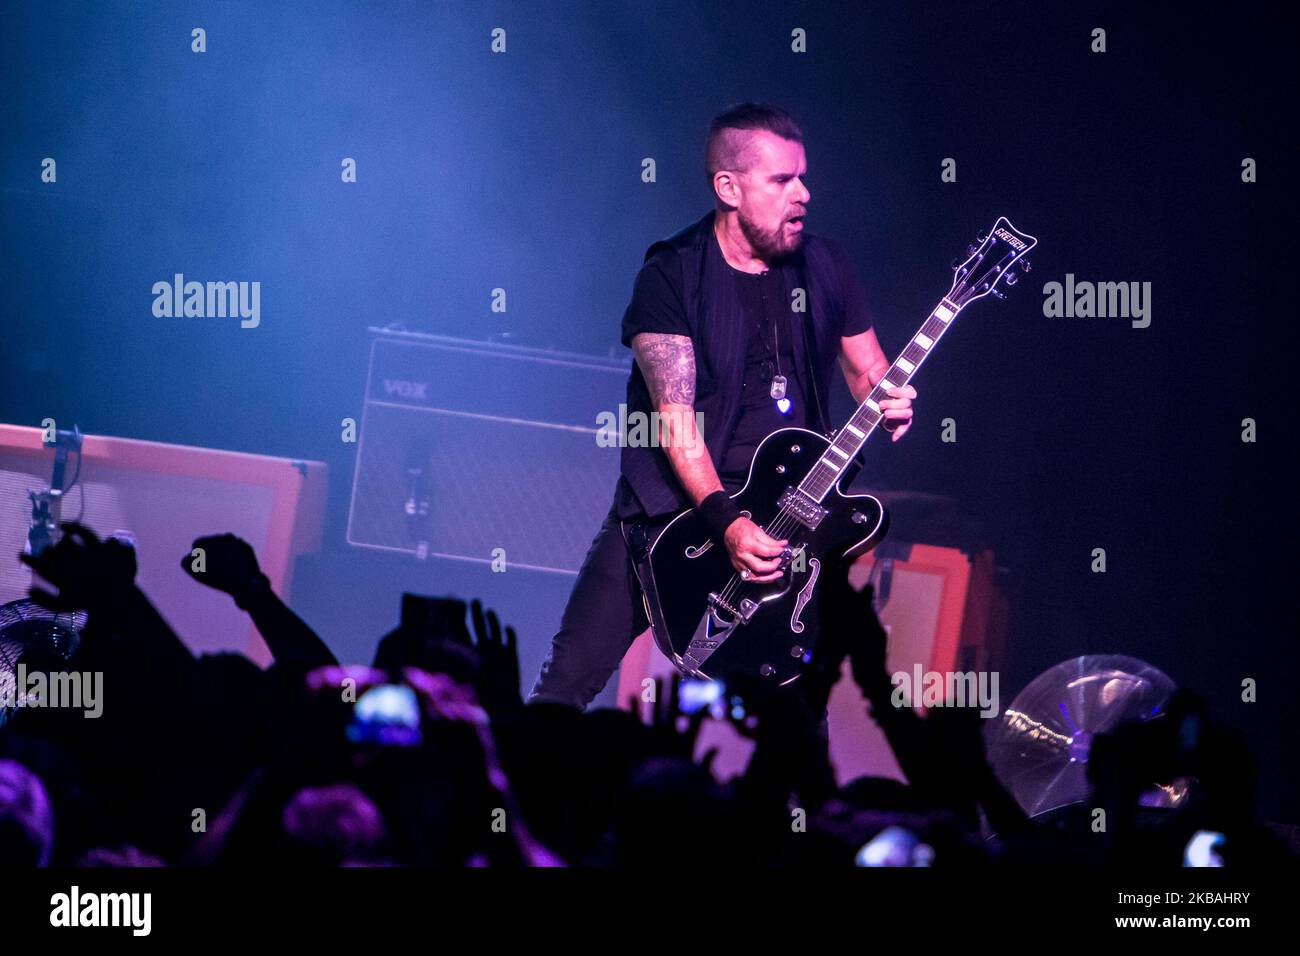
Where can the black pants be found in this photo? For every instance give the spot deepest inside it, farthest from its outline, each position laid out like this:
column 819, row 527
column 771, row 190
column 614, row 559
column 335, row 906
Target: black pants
column 604, row 615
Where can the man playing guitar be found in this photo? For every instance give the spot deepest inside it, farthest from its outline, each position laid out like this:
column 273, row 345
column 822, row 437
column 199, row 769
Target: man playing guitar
column 737, row 319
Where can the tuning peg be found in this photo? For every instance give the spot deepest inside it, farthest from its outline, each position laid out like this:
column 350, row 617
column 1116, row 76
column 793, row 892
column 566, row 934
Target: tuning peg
column 1024, row 265
column 981, row 236
column 956, row 263
column 1012, row 278
column 998, row 294
column 971, row 250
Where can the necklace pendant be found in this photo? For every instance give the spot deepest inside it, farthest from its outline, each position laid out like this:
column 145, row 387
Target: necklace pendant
column 778, row 387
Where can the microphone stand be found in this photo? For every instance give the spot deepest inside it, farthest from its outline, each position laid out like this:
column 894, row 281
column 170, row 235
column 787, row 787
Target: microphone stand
column 47, row 503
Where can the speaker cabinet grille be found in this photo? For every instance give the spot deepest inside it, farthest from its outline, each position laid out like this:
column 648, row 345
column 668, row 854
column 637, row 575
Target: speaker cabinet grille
column 466, row 448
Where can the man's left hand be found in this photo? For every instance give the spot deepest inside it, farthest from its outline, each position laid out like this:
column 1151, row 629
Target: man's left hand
column 897, row 410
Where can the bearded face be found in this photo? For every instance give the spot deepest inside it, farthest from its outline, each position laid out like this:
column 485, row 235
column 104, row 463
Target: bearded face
column 772, row 199
column 772, row 241
column 767, row 194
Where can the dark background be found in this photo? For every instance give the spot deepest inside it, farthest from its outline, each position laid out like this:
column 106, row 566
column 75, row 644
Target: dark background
column 523, row 171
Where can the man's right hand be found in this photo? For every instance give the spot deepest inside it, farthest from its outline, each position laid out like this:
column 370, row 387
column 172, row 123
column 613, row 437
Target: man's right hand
column 752, row 549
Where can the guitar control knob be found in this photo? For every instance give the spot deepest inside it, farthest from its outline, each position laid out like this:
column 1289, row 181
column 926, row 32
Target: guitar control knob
column 794, row 449
column 767, row 670
column 859, row 518
column 780, row 469
column 796, row 651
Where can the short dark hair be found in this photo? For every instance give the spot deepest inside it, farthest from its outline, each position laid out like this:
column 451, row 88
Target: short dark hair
column 729, row 134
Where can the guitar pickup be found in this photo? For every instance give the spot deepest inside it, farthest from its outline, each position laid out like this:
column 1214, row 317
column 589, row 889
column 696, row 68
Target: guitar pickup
column 806, row 511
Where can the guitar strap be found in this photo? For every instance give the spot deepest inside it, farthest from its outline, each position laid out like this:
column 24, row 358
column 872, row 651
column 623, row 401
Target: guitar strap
column 639, row 536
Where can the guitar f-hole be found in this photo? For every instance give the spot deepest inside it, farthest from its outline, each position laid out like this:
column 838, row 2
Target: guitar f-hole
column 805, row 595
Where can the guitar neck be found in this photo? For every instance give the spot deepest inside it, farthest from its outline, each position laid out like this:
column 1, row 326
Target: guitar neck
column 850, row 439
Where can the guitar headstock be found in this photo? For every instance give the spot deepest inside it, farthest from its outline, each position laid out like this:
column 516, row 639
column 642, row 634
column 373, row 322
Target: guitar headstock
column 987, row 268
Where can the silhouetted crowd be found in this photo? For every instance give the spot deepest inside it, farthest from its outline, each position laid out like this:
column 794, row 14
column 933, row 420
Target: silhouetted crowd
column 429, row 756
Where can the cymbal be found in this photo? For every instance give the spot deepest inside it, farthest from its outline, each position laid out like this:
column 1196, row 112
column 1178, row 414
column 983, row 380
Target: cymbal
column 1039, row 747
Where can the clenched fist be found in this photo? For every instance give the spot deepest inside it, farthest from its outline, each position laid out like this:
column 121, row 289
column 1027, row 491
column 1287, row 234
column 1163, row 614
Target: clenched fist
column 227, row 564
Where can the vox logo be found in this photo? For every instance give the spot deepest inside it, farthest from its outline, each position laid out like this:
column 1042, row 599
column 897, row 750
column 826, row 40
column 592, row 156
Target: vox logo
column 406, row 389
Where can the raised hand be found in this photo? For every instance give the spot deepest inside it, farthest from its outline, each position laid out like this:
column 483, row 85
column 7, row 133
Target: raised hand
column 849, row 627
column 88, row 572
column 228, row 564
column 99, row 577
column 498, row 683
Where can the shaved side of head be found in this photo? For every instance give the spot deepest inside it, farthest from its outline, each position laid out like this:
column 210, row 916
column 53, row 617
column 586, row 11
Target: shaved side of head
column 731, row 135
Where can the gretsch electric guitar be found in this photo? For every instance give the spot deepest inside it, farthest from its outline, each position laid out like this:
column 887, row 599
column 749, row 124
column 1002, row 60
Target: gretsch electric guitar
column 712, row 624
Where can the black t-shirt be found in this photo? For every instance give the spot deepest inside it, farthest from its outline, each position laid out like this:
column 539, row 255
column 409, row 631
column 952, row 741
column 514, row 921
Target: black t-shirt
column 656, row 304
column 771, row 352
column 657, row 307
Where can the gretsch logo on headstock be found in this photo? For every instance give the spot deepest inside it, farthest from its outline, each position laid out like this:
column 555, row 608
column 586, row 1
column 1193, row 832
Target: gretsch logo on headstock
column 1010, row 240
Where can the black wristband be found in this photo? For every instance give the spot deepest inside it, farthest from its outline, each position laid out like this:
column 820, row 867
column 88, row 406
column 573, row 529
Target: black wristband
column 718, row 512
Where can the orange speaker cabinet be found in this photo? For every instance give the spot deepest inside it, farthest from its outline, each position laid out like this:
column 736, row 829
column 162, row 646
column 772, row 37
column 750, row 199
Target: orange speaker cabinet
column 166, row 496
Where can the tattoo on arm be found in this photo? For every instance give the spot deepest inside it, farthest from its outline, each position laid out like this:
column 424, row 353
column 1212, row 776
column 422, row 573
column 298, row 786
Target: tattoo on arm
column 668, row 364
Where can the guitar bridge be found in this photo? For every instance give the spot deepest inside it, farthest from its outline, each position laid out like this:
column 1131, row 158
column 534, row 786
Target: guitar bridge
column 806, row 511
column 742, row 614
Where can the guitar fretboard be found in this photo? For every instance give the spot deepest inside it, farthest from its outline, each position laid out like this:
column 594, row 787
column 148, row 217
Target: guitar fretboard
column 850, row 439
